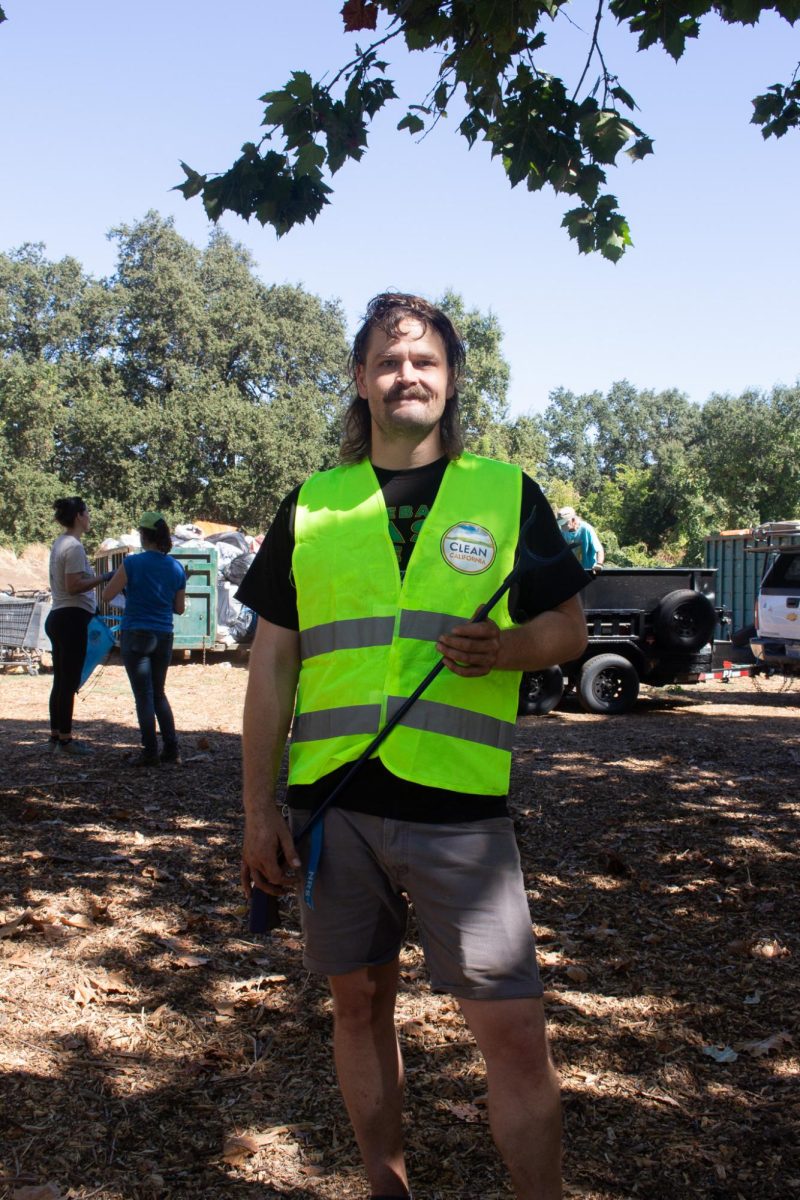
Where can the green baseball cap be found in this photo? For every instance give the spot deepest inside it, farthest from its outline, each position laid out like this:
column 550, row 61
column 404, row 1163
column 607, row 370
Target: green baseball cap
column 149, row 520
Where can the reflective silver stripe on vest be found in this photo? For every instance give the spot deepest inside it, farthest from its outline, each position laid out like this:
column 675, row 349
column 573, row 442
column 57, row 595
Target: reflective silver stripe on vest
column 336, row 722
column 346, row 635
column 433, row 717
column 427, row 626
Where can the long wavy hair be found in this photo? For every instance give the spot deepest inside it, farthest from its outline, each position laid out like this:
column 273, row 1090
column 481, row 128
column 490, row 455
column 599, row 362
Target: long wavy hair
column 386, row 312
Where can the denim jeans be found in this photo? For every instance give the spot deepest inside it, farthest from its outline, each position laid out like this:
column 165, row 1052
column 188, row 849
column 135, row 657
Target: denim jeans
column 146, row 656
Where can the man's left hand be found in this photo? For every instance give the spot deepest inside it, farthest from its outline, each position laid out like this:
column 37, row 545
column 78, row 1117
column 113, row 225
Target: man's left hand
column 470, row 649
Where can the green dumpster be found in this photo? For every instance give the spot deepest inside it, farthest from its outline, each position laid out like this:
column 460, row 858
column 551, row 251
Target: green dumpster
column 739, row 570
column 196, row 627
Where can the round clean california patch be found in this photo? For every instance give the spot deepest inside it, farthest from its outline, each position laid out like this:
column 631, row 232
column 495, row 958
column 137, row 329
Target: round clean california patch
column 468, row 548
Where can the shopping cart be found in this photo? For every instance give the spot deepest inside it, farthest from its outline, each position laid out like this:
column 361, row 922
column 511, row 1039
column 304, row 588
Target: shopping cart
column 22, row 636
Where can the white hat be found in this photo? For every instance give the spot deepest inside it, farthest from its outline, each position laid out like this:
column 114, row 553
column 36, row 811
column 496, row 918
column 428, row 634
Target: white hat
column 565, row 514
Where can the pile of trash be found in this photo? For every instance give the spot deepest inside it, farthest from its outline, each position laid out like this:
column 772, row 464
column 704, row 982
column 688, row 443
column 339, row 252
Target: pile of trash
column 236, row 622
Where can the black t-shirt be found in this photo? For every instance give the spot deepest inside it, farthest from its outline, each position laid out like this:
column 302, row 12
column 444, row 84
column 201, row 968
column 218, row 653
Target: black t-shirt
column 268, row 588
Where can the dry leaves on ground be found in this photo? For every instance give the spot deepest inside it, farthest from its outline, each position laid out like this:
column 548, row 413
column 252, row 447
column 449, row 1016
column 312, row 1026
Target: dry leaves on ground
column 154, row 1049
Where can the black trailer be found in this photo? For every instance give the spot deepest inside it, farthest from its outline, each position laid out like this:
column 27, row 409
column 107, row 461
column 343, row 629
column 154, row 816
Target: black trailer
column 651, row 624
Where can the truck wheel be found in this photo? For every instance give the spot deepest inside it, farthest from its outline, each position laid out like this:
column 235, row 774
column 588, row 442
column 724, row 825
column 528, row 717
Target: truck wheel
column 685, row 620
column 608, row 683
column 540, row 691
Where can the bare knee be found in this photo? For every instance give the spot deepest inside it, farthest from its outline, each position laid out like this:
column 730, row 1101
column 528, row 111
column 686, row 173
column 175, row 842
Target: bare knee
column 527, row 1061
column 512, row 1037
column 364, row 998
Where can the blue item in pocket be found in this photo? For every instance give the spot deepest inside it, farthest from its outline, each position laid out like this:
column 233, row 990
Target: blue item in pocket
column 99, row 643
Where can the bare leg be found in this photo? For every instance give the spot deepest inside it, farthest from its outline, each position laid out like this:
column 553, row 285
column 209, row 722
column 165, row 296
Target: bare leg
column 524, row 1106
column 370, row 1071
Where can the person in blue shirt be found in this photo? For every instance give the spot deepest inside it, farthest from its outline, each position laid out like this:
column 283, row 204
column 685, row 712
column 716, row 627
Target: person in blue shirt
column 582, row 537
column 155, row 588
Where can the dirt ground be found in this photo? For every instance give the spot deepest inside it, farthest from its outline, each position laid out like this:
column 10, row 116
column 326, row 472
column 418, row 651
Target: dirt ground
column 152, row 1047
column 26, row 571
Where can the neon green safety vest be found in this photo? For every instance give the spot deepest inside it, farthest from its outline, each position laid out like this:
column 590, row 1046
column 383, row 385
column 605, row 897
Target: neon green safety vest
column 366, row 640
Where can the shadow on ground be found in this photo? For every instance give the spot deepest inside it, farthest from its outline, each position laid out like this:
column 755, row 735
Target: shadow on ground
column 660, row 852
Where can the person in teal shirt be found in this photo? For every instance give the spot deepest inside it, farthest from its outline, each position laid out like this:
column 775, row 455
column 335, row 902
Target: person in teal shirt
column 582, row 537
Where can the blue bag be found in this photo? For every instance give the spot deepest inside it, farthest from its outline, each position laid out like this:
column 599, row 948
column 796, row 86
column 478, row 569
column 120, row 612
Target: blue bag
column 99, row 644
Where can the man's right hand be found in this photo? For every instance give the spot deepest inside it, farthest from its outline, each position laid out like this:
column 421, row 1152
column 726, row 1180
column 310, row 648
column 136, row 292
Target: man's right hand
column 269, row 857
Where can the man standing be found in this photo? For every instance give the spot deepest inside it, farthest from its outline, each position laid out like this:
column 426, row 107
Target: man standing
column 582, row 537
column 369, row 573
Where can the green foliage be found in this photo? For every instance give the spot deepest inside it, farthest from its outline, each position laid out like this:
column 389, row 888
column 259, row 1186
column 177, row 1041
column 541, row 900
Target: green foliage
column 778, row 110
column 629, row 556
column 634, row 459
column 48, row 310
column 592, row 436
column 31, row 414
column 28, row 496
column 525, row 444
column 483, row 391
column 570, row 428
column 483, row 387
column 187, row 384
column 599, row 228
column 751, row 460
column 487, row 62
column 182, row 383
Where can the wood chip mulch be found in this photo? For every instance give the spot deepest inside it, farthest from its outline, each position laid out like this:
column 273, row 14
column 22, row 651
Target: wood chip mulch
column 151, row 1047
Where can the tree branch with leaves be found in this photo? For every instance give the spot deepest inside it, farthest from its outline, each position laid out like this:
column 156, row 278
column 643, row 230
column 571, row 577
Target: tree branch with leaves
column 489, row 57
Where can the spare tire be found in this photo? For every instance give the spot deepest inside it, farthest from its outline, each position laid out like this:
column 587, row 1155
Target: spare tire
column 540, row 691
column 684, row 620
column 608, row 683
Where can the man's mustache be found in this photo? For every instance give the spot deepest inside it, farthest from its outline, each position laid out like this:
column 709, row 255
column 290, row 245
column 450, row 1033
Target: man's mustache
column 398, row 392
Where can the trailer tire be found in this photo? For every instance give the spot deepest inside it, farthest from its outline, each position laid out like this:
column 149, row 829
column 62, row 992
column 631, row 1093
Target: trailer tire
column 540, row 691
column 608, row 684
column 685, row 620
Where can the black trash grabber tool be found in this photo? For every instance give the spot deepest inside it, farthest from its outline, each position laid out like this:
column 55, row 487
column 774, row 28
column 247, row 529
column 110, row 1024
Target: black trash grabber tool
column 263, row 906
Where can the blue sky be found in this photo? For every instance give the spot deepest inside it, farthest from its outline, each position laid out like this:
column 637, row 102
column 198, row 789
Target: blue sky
column 102, row 100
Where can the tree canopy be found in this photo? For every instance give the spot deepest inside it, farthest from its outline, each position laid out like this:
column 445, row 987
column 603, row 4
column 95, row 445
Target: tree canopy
column 182, row 383
column 656, row 473
column 185, row 383
column 489, row 65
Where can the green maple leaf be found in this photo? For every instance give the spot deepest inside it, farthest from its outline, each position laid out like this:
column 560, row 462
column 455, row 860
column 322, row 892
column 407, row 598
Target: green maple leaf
column 411, row 123
column 309, row 159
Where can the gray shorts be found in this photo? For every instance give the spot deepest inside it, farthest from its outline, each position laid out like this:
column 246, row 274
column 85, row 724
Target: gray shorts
column 466, row 886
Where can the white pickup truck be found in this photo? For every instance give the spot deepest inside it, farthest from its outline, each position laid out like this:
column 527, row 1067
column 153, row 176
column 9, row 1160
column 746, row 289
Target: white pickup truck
column 776, row 642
